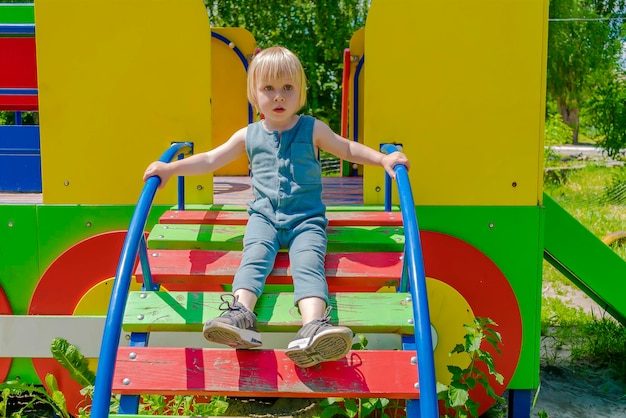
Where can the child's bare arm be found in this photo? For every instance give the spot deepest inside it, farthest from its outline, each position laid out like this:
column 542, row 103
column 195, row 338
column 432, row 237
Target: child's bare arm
column 202, row 163
column 355, row 152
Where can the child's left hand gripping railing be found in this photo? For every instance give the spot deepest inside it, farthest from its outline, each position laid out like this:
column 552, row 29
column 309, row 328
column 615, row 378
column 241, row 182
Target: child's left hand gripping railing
column 134, row 245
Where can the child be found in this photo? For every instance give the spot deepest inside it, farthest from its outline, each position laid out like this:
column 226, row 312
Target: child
column 287, row 211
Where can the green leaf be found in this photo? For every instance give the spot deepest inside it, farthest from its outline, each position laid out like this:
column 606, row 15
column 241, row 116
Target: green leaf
column 459, row 348
column 330, row 401
column 216, row 407
column 441, row 387
column 472, row 343
column 73, row 361
column 499, row 377
column 352, row 409
column 368, row 406
column 51, row 382
column 361, row 343
column 59, row 400
column 333, row 411
column 472, row 407
column 456, row 371
column 457, row 396
column 494, row 342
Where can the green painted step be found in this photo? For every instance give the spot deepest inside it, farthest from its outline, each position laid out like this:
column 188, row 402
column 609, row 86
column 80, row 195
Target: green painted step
column 230, row 238
column 17, row 13
column 188, row 311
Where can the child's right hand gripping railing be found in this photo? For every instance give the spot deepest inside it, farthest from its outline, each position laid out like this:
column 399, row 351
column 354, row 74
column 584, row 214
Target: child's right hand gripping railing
column 416, row 284
column 134, row 246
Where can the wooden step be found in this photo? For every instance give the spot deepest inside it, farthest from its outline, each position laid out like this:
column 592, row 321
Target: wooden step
column 177, row 371
column 188, row 311
column 210, row 270
column 230, row 238
column 217, row 217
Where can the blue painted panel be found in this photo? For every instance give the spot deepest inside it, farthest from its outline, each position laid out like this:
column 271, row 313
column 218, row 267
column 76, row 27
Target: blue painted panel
column 20, row 159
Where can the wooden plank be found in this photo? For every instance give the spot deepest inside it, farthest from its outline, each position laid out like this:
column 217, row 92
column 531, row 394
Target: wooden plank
column 329, row 208
column 230, row 238
column 188, row 311
column 176, row 371
column 209, row 270
column 354, row 218
column 29, row 336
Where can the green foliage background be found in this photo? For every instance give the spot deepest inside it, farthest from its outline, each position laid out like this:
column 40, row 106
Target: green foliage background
column 586, row 65
column 318, row 31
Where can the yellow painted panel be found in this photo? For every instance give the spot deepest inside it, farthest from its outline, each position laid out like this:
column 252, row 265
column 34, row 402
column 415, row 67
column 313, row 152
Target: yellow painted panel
column 462, row 85
column 230, row 101
column 117, row 85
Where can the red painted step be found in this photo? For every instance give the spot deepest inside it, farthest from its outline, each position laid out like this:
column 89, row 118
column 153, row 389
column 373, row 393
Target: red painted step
column 241, row 217
column 209, row 270
column 177, row 371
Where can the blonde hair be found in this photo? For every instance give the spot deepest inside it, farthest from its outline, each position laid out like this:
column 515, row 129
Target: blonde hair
column 273, row 63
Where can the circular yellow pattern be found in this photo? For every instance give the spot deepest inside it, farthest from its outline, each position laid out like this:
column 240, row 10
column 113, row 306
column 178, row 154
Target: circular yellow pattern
column 449, row 311
column 96, row 302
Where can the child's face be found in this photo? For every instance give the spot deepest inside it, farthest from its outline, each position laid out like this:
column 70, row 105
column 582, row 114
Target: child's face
column 278, row 99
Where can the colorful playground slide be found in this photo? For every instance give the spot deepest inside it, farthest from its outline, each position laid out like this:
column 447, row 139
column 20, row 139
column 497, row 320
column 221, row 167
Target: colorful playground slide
column 583, row 258
column 487, row 224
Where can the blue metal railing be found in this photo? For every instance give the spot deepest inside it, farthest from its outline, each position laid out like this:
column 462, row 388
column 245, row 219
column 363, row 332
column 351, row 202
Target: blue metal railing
column 414, row 265
column 135, row 245
column 113, row 325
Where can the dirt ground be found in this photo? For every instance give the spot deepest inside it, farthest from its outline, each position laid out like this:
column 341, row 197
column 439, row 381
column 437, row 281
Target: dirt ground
column 581, row 390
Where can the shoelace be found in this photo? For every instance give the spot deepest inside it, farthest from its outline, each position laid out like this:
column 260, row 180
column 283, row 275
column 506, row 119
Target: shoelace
column 325, row 320
column 228, row 305
column 326, row 317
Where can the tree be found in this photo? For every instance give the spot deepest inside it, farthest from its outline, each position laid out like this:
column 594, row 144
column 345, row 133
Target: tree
column 608, row 110
column 584, row 47
column 316, row 30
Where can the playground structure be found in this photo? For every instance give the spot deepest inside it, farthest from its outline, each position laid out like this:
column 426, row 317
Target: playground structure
column 486, row 223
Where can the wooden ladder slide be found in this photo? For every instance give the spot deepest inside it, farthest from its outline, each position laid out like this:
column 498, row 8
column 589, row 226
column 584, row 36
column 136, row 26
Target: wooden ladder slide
column 194, row 254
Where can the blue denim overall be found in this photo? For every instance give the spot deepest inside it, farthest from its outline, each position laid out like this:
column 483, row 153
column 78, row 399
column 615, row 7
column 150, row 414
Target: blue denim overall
column 287, row 211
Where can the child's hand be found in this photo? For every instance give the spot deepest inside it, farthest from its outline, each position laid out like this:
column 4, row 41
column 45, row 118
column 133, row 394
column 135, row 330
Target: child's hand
column 391, row 160
column 159, row 169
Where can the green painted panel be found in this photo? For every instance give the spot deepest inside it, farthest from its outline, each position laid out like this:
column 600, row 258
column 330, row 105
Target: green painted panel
column 230, row 238
column 360, row 208
column 183, row 311
column 226, row 208
column 19, row 267
column 24, row 370
column 512, row 237
column 33, row 236
column 62, row 226
column 17, row 13
column 592, row 265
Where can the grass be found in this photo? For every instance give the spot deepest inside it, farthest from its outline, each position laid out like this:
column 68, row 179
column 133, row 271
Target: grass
column 586, row 194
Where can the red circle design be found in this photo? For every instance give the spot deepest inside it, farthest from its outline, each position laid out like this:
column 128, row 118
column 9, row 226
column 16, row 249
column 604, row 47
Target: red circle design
column 60, row 289
column 446, row 258
column 489, row 294
column 5, row 362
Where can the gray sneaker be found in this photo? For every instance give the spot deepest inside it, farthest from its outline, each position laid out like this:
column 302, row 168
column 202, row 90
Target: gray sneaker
column 235, row 327
column 319, row 341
